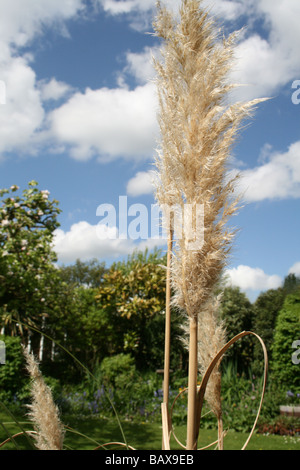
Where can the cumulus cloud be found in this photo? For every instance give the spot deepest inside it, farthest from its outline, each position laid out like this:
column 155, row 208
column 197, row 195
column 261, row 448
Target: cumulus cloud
column 227, row 9
column 139, row 65
column 86, row 241
column 141, row 184
column 117, row 7
column 23, row 114
column 122, row 122
column 295, row 269
column 277, row 178
column 268, row 63
column 109, row 122
column 253, row 279
column 21, row 21
column 53, row 89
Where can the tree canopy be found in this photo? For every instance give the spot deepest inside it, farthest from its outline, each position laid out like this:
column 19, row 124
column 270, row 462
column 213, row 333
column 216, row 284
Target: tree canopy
column 27, row 271
column 287, row 331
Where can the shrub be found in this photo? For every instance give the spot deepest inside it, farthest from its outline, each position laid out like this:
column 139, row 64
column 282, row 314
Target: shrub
column 286, row 332
column 12, row 373
column 117, row 371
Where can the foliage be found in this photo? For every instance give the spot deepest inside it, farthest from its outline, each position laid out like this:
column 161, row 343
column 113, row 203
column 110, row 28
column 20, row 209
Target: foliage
column 133, row 294
column 27, row 274
column 286, row 332
column 134, row 395
column 237, row 313
column 82, row 327
column 83, row 273
column 266, row 309
column 118, row 370
column 291, row 283
column 12, row 376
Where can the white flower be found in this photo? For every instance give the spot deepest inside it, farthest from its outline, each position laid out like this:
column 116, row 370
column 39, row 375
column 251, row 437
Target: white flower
column 14, row 187
column 5, row 223
column 45, row 194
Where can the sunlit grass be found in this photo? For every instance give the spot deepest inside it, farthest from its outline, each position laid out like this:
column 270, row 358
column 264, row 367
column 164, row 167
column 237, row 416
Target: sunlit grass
column 90, row 433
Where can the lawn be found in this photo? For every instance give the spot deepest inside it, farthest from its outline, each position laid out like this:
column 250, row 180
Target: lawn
column 140, row 436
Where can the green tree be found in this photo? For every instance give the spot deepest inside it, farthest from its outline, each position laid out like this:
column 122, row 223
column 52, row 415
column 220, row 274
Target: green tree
column 83, row 273
column 237, row 313
column 12, row 373
column 287, row 331
column 27, row 273
column 266, row 309
column 291, row 283
column 133, row 294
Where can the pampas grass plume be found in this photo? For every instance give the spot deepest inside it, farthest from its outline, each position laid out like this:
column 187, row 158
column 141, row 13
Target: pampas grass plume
column 43, row 411
column 199, row 127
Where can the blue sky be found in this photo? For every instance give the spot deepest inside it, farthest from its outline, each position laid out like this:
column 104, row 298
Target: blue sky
column 80, row 118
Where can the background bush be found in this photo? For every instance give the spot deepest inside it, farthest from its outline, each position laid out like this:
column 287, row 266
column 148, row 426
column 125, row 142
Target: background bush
column 12, row 373
column 286, row 332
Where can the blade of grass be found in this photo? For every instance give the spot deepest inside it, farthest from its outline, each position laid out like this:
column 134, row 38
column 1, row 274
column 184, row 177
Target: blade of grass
column 10, row 437
column 74, row 431
column 18, row 423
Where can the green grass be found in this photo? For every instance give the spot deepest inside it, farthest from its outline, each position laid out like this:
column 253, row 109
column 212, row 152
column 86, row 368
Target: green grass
column 140, row 436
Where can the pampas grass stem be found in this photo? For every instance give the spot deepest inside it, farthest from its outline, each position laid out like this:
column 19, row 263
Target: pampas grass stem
column 167, row 331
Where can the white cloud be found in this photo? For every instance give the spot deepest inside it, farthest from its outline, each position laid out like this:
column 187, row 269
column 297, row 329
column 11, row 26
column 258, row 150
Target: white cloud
column 21, row 20
column 257, row 67
column 278, row 178
column 108, row 122
column 267, row 64
column 86, row 241
column 263, row 63
column 295, row 269
column 117, row 7
column 228, row 9
column 253, row 279
column 140, row 66
column 140, row 184
column 53, row 89
column 122, row 122
column 22, row 113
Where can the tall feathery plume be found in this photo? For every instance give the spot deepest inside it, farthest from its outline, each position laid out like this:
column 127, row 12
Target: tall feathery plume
column 198, row 129
column 212, row 338
column 43, row 411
